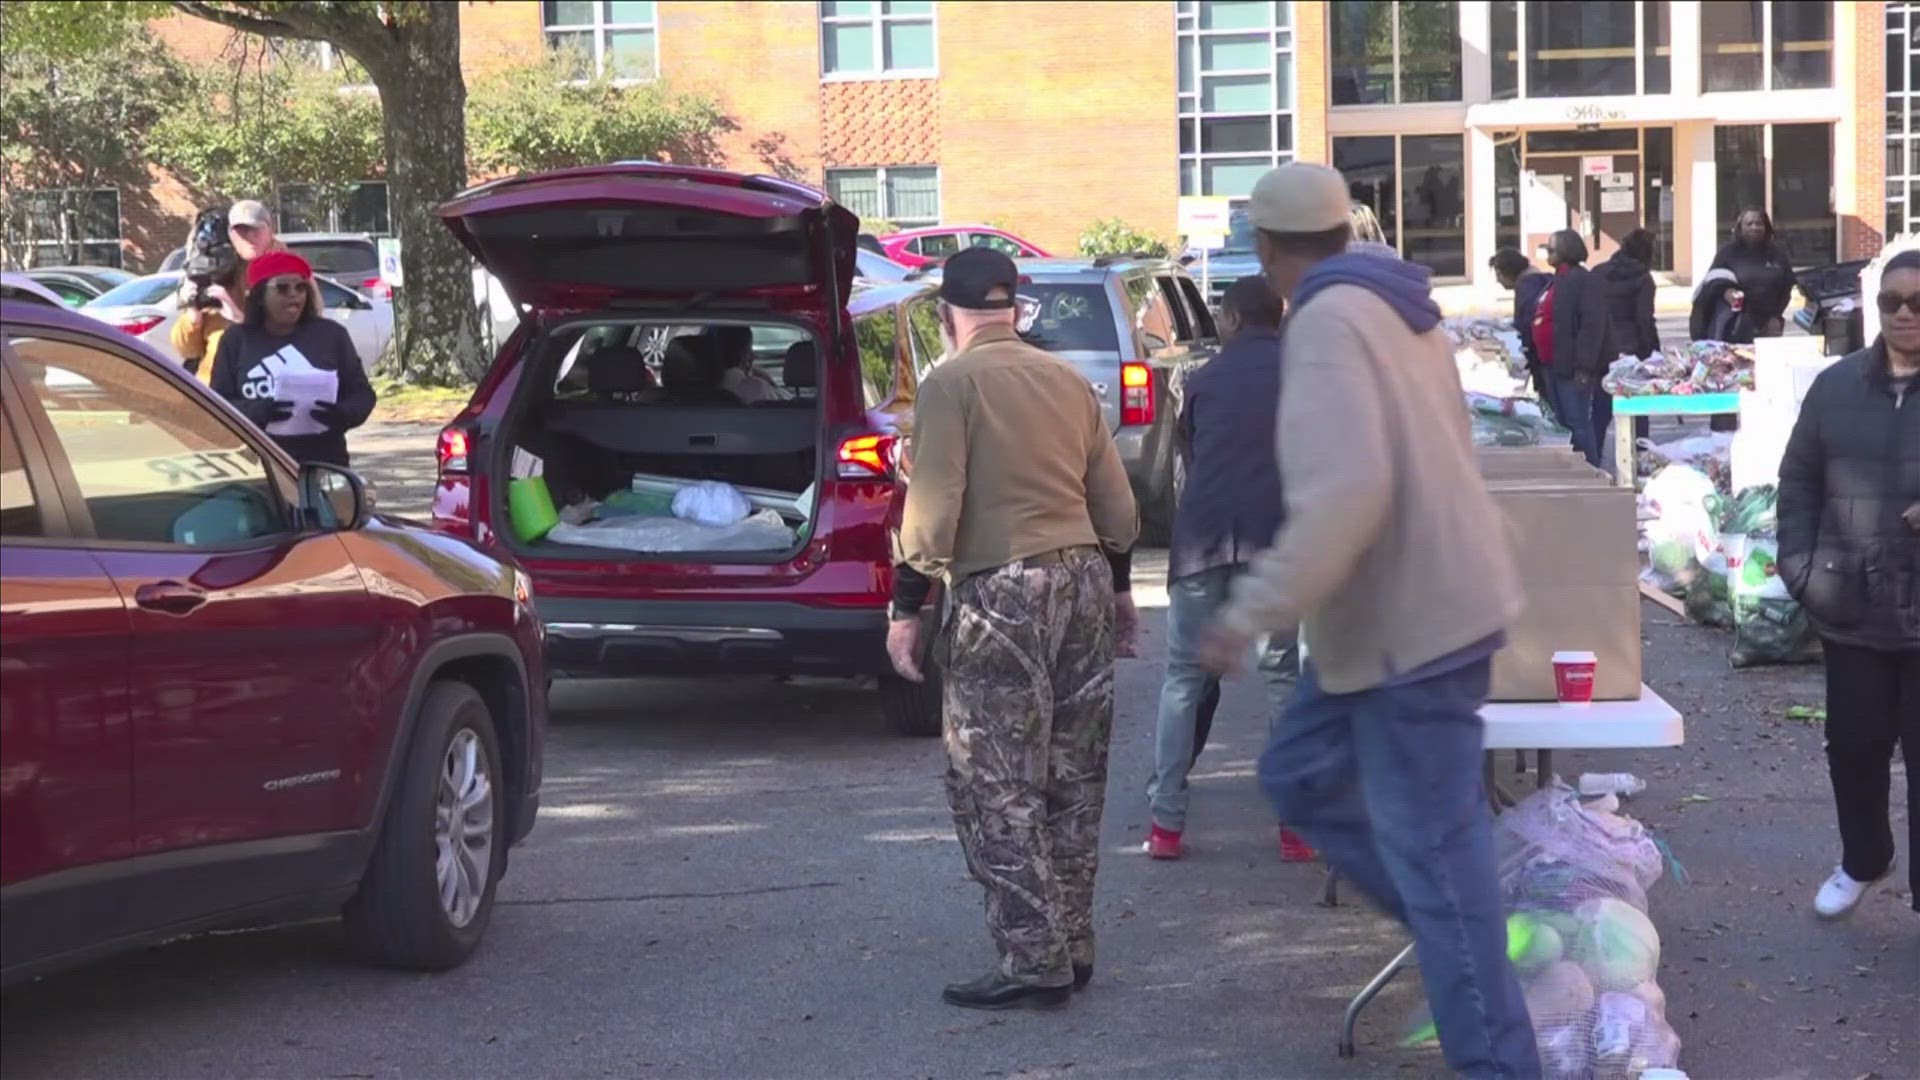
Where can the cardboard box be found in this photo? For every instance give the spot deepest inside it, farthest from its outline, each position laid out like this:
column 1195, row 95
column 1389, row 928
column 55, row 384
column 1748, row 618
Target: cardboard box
column 1535, row 463
column 1575, row 545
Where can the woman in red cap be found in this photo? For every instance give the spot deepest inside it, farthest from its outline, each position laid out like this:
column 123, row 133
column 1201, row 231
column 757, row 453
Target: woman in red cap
column 290, row 371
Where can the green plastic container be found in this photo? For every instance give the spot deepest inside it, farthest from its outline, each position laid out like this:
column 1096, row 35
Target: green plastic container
column 530, row 508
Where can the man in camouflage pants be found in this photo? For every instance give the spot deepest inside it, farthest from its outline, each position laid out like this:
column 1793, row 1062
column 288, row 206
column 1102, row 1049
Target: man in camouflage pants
column 1019, row 501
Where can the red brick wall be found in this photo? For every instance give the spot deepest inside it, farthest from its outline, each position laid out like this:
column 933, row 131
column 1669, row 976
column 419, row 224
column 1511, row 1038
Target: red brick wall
column 1310, row 83
column 880, row 122
column 1048, row 123
column 761, row 59
column 496, row 34
column 1863, row 217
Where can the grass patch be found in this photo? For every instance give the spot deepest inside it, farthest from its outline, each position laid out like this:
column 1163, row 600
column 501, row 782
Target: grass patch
column 406, row 403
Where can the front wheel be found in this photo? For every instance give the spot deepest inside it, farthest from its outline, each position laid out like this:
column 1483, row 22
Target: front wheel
column 428, row 891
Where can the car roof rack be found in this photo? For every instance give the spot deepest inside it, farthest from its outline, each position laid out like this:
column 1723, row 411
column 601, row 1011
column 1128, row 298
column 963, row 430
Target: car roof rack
column 1131, row 256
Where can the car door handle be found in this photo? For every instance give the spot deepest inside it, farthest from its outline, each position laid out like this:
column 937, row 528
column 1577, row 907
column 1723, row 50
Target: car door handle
column 170, row 597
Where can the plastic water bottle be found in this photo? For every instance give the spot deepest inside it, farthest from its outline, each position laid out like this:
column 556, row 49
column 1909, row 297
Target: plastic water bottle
column 1663, row 1074
column 1625, row 785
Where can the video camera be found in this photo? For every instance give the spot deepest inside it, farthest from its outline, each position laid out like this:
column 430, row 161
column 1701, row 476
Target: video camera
column 210, row 259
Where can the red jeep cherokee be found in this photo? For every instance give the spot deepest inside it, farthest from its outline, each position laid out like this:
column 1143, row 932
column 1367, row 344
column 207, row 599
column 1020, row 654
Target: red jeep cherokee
column 685, row 325
column 227, row 692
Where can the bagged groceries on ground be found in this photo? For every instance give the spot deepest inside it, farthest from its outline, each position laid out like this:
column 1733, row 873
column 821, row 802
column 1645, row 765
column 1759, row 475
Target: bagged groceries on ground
column 1769, row 626
column 1507, row 421
column 1676, row 510
column 1709, row 452
column 1490, row 358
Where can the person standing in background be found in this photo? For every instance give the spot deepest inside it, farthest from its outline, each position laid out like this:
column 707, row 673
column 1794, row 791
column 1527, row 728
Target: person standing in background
column 196, row 334
column 1515, row 272
column 1763, row 275
column 1627, row 282
column 1228, row 512
column 1573, row 335
column 1393, row 554
column 1849, row 526
column 1019, row 502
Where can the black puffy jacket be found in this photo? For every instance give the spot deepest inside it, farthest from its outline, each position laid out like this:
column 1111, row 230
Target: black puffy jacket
column 1582, row 334
column 1629, row 290
column 1851, row 470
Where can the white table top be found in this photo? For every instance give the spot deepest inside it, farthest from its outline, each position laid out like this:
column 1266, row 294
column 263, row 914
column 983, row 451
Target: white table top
column 1549, row 725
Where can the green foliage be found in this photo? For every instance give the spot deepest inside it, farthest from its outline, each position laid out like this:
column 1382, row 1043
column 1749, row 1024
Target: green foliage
column 246, row 132
column 71, row 30
column 73, row 121
column 877, row 226
column 1112, row 236
column 544, row 116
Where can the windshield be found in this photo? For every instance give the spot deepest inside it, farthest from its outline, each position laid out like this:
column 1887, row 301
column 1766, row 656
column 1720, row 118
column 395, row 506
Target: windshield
column 144, row 290
column 1068, row 318
column 877, row 267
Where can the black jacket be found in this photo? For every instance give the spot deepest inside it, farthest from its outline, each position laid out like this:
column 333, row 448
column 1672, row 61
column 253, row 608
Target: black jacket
column 1852, row 468
column 1526, row 300
column 246, row 369
column 1628, row 285
column 1582, row 332
column 1230, row 507
column 1765, row 275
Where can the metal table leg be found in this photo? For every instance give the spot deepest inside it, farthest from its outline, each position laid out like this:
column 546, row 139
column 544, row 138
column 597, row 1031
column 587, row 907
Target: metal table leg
column 1623, row 451
column 1367, row 994
column 1543, row 765
column 1330, row 896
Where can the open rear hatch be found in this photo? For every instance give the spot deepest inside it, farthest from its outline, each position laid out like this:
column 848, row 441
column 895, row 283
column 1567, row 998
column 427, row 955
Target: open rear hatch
column 585, row 238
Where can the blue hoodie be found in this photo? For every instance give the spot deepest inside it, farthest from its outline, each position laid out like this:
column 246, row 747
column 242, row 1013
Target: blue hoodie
column 1405, row 286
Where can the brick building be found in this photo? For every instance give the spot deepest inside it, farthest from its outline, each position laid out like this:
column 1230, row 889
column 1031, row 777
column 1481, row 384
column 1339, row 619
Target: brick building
column 1469, row 125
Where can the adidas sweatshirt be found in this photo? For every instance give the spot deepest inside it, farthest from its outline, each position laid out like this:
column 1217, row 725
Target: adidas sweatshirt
column 250, row 360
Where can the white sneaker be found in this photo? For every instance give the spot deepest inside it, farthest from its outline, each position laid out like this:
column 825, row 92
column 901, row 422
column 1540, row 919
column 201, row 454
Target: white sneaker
column 1841, row 894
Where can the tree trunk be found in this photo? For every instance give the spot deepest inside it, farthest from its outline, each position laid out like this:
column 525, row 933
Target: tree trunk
column 423, row 102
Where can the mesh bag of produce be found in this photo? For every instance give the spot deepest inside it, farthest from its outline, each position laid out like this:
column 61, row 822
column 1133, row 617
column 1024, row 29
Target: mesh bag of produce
column 1769, row 626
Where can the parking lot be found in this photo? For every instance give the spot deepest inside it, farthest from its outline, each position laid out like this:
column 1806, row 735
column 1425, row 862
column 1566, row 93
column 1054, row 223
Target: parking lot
column 749, row 880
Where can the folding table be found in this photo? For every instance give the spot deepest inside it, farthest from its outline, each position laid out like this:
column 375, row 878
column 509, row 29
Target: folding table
column 1544, row 727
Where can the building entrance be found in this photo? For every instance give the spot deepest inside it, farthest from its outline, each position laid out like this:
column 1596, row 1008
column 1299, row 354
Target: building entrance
column 1601, row 184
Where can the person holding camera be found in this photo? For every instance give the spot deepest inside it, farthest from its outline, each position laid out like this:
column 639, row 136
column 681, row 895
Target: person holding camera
column 208, row 312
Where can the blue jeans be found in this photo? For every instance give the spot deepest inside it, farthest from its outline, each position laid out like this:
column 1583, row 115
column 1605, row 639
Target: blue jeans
column 1387, row 784
column 1579, row 414
column 1192, row 602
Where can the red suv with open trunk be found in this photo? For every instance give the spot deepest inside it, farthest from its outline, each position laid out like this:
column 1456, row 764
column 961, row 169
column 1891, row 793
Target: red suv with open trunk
column 686, row 353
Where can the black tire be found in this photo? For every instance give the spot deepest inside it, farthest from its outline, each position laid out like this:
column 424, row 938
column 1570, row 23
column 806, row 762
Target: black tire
column 913, row 709
column 396, row 918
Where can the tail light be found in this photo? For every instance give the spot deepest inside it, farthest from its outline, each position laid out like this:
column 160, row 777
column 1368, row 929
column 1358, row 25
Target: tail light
column 141, row 325
column 868, row 457
column 452, row 450
column 1136, row 394
column 378, row 287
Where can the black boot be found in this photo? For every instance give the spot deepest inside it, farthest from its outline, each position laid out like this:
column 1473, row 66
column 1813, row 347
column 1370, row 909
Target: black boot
column 1082, row 975
column 996, row 991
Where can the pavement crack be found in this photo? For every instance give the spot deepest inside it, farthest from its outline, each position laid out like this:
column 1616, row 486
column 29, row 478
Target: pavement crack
column 642, row 898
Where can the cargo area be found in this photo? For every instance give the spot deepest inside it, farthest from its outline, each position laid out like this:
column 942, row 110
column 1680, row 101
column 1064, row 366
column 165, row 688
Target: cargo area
column 678, row 441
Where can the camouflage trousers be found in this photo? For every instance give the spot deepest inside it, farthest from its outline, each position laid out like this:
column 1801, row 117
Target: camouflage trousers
column 1028, row 714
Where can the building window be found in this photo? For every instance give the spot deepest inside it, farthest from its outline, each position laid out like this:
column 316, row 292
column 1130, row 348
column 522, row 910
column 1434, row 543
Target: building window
column 1739, row 37
column 1395, row 52
column 1786, row 170
column 1416, row 186
column 877, row 37
column 1235, row 60
column 1585, row 49
column 907, row 196
column 1903, row 80
column 67, row 226
column 617, row 37
column 363, row 211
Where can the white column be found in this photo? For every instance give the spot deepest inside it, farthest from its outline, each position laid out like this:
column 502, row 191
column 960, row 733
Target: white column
column 1696, row 208
column 1476, row 50
column 1683, row 31
column 1482, row 234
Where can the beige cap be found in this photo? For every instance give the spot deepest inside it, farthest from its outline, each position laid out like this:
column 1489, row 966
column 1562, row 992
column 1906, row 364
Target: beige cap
column 249, row 212
column 1300, row 197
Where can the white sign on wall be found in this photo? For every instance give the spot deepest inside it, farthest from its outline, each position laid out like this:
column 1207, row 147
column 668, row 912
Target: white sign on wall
column 1204, row 219
column 1596, row 165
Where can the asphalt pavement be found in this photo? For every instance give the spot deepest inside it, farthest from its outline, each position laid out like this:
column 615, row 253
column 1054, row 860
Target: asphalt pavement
column 746, row 879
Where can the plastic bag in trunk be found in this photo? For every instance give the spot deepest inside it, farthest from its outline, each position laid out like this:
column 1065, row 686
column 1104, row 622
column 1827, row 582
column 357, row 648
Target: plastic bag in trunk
column 765, row 531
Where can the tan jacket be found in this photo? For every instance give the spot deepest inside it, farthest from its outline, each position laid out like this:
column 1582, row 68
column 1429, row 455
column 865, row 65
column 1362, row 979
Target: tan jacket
column 1393, row 554
column 1011, row 459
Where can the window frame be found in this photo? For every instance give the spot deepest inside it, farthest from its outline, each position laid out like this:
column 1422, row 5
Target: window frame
column 1640, row 47
column 1197, row 304
column 1397, row 96
column 880, row 174
column 1902, row 180
column 1766, row 44
column 1193, row 160
column 597, row 32
column 79, row 530
column 56, row 528
column 334, row 222
column 879, row 20
column 1397, row 228
column 118, row 239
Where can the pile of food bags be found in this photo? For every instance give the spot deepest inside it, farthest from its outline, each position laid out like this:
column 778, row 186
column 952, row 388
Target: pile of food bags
column 1702, row 367
column 1489, row 357
column 1769, row 626
column 1508, row 421
column 1710, row 453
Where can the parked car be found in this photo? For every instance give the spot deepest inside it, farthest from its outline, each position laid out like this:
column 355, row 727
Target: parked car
column 918, row 247
column 147, row 307
column 871, row 267
column 1135, row 328
column 75, row 285
column 639, row 278
column 231, row 691
column 26, row 290
column 1231, row 261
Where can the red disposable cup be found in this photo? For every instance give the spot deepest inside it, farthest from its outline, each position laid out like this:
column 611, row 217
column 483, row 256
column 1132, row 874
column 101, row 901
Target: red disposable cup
column 1573, row 676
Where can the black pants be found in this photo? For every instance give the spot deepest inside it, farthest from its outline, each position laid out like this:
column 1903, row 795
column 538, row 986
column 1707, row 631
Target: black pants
column 1873, row 702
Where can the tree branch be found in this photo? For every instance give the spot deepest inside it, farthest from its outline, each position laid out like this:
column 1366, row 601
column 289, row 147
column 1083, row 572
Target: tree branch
column 251, row 24
column 358, row 35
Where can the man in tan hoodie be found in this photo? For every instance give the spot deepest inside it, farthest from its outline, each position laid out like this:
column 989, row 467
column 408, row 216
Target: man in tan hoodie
column 1394, row 557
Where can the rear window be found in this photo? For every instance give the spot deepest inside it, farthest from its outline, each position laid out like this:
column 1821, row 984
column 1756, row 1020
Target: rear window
column 1070, row 318
column 139, row 291
column 705, row 365
column 339, row 256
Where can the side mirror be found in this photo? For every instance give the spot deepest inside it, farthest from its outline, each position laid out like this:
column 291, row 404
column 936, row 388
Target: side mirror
column 333, row 498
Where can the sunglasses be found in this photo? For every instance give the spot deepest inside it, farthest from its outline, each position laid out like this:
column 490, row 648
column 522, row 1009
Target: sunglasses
column 288, row 288
column 1893, row 302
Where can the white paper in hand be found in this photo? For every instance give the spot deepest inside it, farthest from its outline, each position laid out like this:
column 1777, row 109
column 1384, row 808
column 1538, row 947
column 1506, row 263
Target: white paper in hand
column 298, row 382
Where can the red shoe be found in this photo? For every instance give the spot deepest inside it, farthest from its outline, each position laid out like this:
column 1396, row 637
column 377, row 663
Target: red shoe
column 1293, row 848
column 1163, row 844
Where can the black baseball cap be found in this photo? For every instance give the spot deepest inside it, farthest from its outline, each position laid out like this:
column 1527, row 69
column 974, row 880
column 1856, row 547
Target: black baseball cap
column 968, row 278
